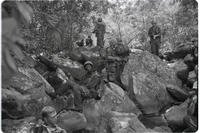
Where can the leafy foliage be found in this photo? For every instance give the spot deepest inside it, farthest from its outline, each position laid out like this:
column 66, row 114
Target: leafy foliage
column 13, row 13
column 51, row 26
column 58, row 24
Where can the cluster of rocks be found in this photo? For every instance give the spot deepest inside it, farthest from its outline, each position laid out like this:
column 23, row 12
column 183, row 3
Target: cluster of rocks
column 156, row 100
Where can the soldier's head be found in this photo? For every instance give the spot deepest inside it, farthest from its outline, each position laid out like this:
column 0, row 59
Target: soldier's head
column 89, row 37
column 153, row 23
column 112, row 43
column 111, row 77
column 119, row 41
column 49, row 115
column 99, row 19
column 194, row 41
column 88, row 66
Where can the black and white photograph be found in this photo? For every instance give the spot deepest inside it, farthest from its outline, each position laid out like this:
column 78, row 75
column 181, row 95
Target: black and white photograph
column 99, row 66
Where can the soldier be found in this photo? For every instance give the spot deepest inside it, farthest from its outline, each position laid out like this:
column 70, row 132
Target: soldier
column 88, row 87
column 80, row 43
column 48, row 122
column 155, row 38
column 195, row 50
column 89, row 41
column 116, row 60
column 100, row 30
column 91, row 80
column 111, row 49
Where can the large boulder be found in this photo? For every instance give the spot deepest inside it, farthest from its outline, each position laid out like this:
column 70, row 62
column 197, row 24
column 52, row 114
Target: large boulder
column 153, row 121
column 90, row 55
column 69, row 66
column 150, row 76
column 126, row 123
column 178, row 65
column 177, row 93
column 113, row 99
column 25, row 94
column 76, row 55
column 192, row 77
column 94, row 55
column 17, row 126
column 175, row 116
column 71, row 121
column 181, row 70
column 163, row 129
column 12, row 103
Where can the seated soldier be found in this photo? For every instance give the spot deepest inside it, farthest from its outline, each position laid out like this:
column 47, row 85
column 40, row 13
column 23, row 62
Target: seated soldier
column 48, row 122
column 91, row 80
column 80, row 43
column 89, row 41
column 88, row 87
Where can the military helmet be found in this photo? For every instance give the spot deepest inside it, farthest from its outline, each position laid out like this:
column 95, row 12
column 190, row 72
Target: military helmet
column 88, row 63
column 119, row 41
column 49, row 111
column 194, row 39
column 153, row 22
column 99, row 19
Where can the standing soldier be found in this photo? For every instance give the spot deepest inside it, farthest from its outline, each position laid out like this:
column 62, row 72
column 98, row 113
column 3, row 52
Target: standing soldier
column 155, row 38
column 99, row 30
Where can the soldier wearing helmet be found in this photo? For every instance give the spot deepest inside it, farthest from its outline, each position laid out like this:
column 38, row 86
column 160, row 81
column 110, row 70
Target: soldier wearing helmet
column 91, row 80
column 116, row 60
column 88, row 66
column 99, row 31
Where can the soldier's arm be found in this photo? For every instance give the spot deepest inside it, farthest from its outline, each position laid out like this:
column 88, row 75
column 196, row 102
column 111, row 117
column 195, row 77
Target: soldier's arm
column 158, row 31
column 95, row 29
column 104, row 29
column 95, row 80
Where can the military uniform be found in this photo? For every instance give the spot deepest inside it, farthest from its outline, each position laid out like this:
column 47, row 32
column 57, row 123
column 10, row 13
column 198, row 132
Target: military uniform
column 92, row 81
column 116, row 59
column 100, row 30
column 89, row 42
column 155, row 42
column 47, row 124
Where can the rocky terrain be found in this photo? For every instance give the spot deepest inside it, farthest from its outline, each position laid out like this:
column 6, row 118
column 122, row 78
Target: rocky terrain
column 157, row 100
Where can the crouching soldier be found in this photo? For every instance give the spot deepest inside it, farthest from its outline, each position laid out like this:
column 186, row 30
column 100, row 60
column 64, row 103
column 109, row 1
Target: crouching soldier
column 89, row 41
column 116, row 60
column 48, row 122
